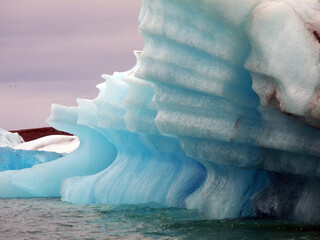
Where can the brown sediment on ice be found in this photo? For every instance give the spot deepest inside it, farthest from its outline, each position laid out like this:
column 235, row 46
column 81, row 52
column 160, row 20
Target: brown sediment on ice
column 35, row 133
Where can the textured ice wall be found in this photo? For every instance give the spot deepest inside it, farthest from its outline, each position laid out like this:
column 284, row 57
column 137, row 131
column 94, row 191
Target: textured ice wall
column 284, row 56
column 196, row 123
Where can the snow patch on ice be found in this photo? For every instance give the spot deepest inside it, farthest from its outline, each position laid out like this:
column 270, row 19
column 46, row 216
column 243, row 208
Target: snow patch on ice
column 52, row 143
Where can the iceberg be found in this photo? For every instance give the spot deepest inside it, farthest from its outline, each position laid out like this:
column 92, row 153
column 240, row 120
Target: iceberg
column 8, row 139
column 220, row 114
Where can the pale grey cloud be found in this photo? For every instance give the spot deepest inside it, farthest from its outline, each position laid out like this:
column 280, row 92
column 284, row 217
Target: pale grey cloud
column 62, row 48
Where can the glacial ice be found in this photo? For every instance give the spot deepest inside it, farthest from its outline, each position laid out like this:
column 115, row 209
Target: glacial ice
column 8, row 139
column 11, row 159
column 220, row 114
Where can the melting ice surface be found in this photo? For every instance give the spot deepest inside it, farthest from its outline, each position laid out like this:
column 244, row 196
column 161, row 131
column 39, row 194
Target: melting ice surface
column 220, row 114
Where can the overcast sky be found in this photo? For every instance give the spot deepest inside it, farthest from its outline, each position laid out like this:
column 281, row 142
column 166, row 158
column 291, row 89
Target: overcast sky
column 53, row 51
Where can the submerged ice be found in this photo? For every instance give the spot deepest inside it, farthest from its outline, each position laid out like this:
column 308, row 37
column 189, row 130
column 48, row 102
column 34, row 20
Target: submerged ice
column 219, row 114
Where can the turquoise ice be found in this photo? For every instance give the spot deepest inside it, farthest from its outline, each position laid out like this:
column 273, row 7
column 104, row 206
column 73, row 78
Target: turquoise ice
column 11, row 159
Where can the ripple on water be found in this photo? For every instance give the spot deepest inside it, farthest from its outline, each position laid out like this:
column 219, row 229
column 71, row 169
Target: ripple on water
column 54, row 219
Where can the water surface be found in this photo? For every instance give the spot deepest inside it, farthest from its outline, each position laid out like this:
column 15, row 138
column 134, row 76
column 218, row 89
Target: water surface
column 54, row 219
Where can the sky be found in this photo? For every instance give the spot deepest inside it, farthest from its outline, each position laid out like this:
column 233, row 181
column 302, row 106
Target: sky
column 54, row 51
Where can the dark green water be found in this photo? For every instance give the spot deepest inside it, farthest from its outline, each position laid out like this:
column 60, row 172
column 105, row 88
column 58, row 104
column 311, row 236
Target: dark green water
column 54, row 219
